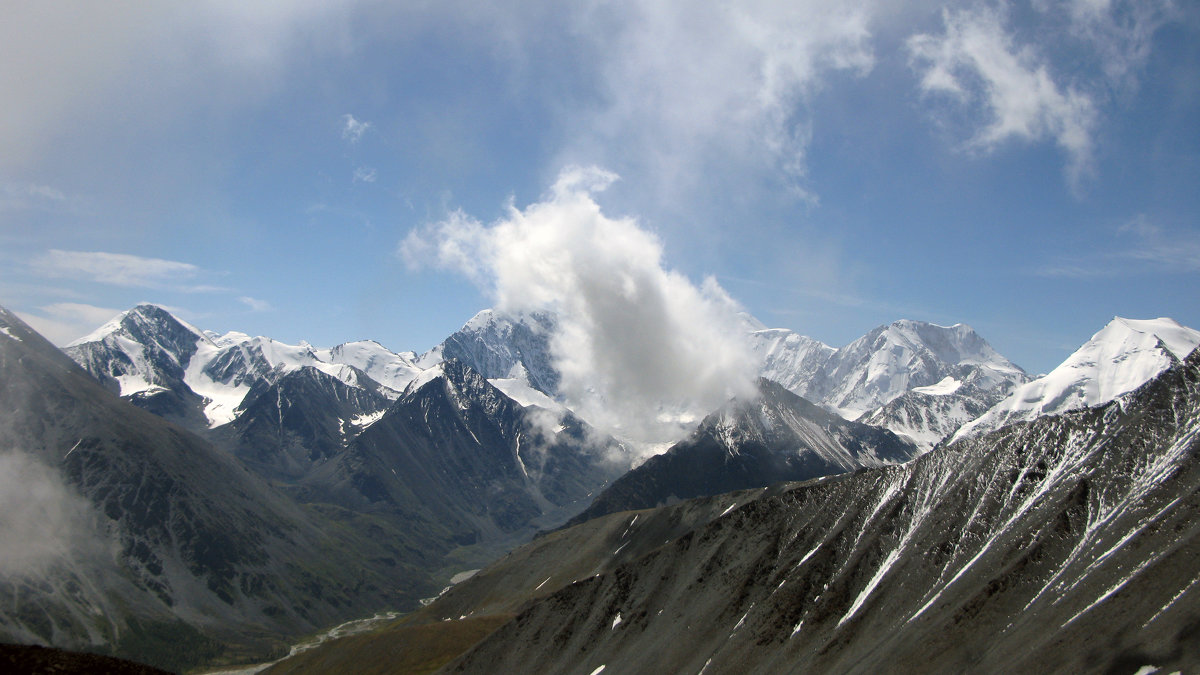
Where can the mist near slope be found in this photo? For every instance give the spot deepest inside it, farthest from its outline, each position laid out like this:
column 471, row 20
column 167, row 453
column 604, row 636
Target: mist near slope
column 643, row 352
column 43, row 522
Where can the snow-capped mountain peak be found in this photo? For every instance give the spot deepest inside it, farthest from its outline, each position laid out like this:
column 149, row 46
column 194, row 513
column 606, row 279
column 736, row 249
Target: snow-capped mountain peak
column 1121, row 357
column 147, row 351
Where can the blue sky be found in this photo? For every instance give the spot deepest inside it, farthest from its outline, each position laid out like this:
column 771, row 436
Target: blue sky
column 1029, row 168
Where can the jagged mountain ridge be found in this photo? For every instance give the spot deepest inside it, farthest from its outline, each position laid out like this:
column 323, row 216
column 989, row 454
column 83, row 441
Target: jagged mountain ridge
column 297, row 415
column 881, row 365
column 1064, row 544
column 458, row 452
column 514, row 353
column 856, row 380
column 202, row 379
column 770, row 438
column 157, row 546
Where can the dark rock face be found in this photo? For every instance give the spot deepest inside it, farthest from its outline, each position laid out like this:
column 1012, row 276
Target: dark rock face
column 304, row 418
column 773, row 438
column 1067, row 544
column 492, row 344
column 457, row 452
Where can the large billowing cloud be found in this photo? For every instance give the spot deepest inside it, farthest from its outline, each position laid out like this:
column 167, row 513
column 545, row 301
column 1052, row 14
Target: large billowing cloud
column 641, row 349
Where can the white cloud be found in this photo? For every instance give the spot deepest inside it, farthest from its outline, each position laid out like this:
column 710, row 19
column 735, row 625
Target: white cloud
column 63, row 322
column 255, row 304
column 686, row 87
column 20, row 196
column 1119, row 32
column 119, row 269
column 352, row 129
column 642, row 350
column 365, row 174
column 977, row 61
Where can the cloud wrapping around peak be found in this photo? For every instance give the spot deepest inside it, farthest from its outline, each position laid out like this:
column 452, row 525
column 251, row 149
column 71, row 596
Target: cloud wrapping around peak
column 641, row 349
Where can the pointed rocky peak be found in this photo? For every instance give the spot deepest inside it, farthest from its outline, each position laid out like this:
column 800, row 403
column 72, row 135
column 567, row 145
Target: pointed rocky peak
column 458, row 383
column 148, row 324
column 1121, row 357
column 143, row 350
column 493, row 342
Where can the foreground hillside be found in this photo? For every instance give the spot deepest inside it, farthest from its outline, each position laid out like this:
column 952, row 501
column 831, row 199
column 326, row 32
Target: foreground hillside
column 1068, row 544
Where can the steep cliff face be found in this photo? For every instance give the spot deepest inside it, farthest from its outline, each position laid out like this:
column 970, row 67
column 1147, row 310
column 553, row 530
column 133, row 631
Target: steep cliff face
column 1065, row 544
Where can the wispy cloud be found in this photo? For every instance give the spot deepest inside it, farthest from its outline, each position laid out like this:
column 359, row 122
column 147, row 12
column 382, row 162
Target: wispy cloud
column 21, row 196
column 692, row 86
column 978, row 62
column 352, row 129
column 365, row 174
column 63, row 322
column 118, row 269
column 255, row 304
column 1140, row 246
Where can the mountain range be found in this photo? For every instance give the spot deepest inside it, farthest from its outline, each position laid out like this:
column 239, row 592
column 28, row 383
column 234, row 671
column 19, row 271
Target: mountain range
column 342, row 472
column 1065, row 543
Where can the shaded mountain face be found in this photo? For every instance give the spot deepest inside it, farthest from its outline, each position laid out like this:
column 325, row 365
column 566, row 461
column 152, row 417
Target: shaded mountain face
column 775, row 437
column 1065, row 544
column 455, row 451
column 126, row 533
column 500, row 346
column 288, row 427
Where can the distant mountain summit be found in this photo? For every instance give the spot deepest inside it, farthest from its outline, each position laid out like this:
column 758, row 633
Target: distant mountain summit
column 770, row 438
column 503, row 346
column 883, row 364
column 202, row 379
column 1123, row 356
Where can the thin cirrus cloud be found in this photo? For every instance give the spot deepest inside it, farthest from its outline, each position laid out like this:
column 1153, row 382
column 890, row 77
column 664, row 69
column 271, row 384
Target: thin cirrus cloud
column 1142, row 247
column 121, row 269
column 255, row 304
column 684, row 83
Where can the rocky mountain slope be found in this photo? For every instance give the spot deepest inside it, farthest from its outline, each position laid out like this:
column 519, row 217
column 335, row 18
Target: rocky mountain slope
column 137, row 537
column 455, row 451
column 773, row 437
column 1064, row 544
